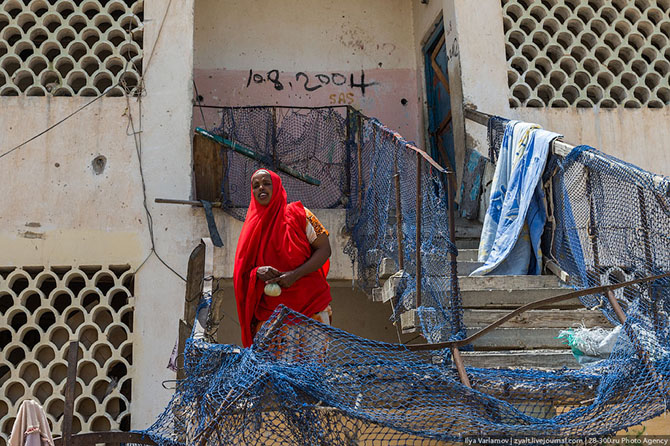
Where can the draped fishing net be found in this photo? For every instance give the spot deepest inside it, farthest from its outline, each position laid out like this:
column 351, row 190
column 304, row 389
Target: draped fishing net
column 310, row 141
column 303, row 382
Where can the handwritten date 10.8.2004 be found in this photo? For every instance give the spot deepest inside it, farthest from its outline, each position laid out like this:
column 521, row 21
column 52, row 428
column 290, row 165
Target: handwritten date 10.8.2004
column 303, row 80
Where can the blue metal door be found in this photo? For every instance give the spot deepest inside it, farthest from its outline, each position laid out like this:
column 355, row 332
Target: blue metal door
column 440, row 127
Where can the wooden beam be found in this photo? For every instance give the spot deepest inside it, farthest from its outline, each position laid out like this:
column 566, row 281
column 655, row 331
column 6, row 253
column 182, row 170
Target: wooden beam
column 208, row 166
column 70, row 384
column 108, row 437
column 558, row 272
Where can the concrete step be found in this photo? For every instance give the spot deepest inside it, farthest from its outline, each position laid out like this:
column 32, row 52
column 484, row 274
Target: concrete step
column 465, row 267
column 510, row 299
column 467, row 255
column 496, row 291
column 555, row 319
column 469, row 231
column 519, row 339
column 467, row 243
column 510, row 292
column 508, row 282
column 542, row 359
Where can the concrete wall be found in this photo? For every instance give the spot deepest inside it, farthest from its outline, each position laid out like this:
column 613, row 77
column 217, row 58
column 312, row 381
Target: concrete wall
column 57, row 211
column 638, row 136
column 240, row 44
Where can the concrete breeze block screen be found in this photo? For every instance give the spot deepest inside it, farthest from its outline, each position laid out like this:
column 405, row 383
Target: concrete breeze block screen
column 41, row 310
column 585, row 53
column 70, row 47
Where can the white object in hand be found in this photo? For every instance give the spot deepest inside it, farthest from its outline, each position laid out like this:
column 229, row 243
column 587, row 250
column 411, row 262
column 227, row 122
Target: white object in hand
column 272, row 289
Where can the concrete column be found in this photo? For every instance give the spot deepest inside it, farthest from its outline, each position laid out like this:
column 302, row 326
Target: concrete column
column 477, row 67
column 166, row 163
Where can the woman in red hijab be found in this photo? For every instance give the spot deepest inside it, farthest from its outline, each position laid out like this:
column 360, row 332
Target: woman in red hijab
column 284, row 244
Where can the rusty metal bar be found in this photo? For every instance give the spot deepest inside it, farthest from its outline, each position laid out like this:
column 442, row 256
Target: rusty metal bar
column 592, row 230
column 398, row 221
column 274, row 138
column 196, row 203
column 458, row 361
column 645, row 228
column 359, row 150
column 347, row 186
column 419, row 206
column 70, row 384
column 453, row 256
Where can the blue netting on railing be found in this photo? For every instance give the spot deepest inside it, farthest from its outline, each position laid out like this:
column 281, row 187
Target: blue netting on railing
column 355, row 158
column 303, row 382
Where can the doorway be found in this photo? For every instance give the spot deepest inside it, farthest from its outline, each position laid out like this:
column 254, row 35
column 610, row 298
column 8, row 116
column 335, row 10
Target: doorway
column 440, row 126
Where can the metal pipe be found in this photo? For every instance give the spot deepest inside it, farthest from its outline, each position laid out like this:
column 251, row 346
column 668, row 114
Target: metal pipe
column 398, row 221
column 453, row 256
column 557, row 147
column 419, row 206
column 196, row 203
column 359, row 150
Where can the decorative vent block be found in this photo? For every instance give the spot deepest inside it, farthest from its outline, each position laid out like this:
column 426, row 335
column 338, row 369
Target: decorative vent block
column 585, row 53
column 41, row 310
column 70, row 47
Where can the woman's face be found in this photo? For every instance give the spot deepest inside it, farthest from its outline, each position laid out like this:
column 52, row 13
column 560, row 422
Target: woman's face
column 261, row 186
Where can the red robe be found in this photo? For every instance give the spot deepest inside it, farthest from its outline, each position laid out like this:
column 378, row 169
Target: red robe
column 274, row 235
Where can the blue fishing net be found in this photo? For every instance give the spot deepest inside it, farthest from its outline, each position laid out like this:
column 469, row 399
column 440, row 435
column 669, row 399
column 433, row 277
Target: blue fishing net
column 303, row 382
column 355, row 158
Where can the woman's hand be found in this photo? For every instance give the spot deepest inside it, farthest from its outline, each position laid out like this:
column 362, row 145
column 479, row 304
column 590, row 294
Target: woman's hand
column 267, row 273
column 286, row 280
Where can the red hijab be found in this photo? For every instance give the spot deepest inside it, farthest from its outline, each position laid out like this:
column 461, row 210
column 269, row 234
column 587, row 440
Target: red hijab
column 274, row 235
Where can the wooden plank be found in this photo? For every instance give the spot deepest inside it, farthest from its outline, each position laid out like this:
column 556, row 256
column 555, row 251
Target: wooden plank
column 215, row 311
column 207, row 168
column 70, row 384
column 195, row 275
column 92, row 438
column 556, row 270
column 547, row 359
column 512, row 299
column 555, row 319
column 519, row 339
column 184, row 333
column 538, row 318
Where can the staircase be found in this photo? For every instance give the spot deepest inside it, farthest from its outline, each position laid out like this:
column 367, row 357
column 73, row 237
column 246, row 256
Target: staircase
column 529, row 340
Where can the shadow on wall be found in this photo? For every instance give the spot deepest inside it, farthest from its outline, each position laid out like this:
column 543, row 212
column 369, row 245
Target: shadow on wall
column 353, row 312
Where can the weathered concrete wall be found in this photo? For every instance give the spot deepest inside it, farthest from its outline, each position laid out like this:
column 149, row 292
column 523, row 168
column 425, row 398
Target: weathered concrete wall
column 166, row 155
column 57, row 211
column 638, row 136
column 297, row 52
